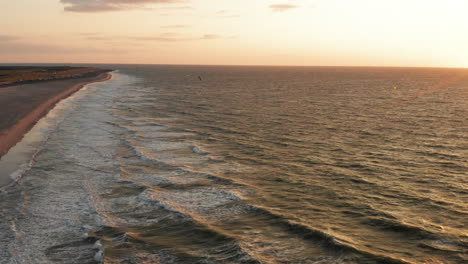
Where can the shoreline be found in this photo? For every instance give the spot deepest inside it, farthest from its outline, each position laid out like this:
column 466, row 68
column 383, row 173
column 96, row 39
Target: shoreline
column 10, row 136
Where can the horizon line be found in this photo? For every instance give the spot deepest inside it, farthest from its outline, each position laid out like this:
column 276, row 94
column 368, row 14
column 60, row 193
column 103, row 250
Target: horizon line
column 240, row 65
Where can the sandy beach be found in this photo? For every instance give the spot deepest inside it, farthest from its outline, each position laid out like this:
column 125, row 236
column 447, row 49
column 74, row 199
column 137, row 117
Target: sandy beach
column 22, row 105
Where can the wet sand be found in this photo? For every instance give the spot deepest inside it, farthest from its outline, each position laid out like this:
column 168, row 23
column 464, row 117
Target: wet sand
column 22, row 105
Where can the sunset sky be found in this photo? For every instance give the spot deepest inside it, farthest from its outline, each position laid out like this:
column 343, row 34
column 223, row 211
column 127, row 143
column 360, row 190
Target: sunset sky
column 431, row 33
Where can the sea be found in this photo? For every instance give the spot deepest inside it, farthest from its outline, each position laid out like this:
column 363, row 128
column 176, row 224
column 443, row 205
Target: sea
column 243, row 164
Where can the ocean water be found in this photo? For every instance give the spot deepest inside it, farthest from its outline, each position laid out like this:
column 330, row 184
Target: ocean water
column 198, row 164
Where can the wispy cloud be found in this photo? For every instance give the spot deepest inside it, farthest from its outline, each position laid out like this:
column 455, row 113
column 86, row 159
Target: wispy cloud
column 282, row 7
column 225, row 14
column 169, row 34
column 35, row 48
column 177, row 8
column 231, row 16
column 175, row 26
column 90, row 6
column 162, row 37
column 8, row 38
column 89, row 34
column 211, row 36
column 174, row 37
column 97, row 38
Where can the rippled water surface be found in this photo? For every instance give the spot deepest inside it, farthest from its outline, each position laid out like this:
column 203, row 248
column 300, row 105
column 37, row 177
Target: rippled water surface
column 248, row 165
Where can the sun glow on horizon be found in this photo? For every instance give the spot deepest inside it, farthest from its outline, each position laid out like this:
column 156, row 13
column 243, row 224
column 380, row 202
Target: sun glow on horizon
column 289, row 32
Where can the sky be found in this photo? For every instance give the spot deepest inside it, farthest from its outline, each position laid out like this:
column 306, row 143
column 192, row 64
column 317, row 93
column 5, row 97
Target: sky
column 427, row 33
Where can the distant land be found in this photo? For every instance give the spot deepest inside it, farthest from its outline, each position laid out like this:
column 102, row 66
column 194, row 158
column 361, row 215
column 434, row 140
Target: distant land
column 10, row 75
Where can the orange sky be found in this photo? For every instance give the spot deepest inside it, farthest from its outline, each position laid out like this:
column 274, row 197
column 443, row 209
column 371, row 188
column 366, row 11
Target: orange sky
column 431, row 33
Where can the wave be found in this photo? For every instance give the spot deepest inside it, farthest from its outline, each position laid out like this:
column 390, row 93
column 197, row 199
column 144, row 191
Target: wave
column 156, row 226
column 199, row 151
column 328, row 241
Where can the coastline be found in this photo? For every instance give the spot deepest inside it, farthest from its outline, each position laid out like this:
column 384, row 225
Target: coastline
column 11, row 135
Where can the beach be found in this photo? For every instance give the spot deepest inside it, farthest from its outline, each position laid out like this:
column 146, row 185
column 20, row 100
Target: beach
column 22, row 104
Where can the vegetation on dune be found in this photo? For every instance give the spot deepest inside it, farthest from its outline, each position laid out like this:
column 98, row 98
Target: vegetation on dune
column 12, row 75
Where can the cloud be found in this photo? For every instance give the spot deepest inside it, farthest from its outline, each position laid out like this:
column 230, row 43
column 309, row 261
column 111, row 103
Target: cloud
column 8, row 38
column 172, row 37
column 177, row 7
column 34, row 48
column 282, row 7
column 169, row 34
column 94, row 6
column 232, row 16
column 175, row 26
column 97, row 38
column 225, row 14
column 162, row 37
column 210, row 36
column 89, row 33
